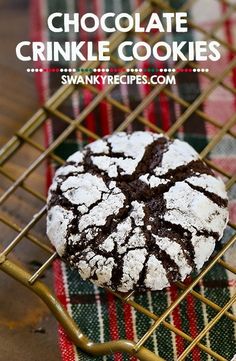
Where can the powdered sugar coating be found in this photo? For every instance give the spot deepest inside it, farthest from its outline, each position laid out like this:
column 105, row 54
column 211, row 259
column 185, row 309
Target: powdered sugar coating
column 210, row 184
column 193, row 210
column 133, row 264
column 179, row 153
column 136, row 211
column 152, row 180
column 132, row 148
column 176, row 253
column 58, row 218
column 83, row 189
column 156, row 275
column 110, row 204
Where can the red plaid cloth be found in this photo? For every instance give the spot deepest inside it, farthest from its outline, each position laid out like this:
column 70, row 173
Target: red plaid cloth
column 106, row 318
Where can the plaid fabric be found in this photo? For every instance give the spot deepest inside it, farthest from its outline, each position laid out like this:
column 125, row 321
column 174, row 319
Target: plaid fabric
column 99, row 315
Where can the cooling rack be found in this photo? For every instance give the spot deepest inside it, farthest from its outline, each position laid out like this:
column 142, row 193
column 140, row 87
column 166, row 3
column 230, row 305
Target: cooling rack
column 25, row 138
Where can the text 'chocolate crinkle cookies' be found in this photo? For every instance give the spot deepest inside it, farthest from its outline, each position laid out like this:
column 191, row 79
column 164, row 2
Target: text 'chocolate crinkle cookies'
column 136, row 211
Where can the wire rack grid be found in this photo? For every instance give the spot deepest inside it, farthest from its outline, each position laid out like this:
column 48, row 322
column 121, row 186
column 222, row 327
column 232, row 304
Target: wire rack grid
column 25, row 137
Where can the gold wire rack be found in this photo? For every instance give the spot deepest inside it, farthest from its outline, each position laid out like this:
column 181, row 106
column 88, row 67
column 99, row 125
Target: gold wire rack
column 25, row 137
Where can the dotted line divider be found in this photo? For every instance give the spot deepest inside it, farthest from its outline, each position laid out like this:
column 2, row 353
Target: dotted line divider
column 117, row 70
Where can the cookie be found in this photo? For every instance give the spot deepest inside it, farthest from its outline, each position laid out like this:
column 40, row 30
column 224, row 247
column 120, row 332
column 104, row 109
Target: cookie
column 136, row 211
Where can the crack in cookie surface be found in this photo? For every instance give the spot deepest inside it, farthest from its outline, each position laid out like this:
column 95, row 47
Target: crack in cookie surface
column 136, row 211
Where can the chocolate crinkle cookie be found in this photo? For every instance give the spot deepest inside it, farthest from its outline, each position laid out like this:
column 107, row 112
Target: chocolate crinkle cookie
column 136, row 211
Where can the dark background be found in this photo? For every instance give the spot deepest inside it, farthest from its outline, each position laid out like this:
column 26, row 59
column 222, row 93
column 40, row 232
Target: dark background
column 27, row 330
